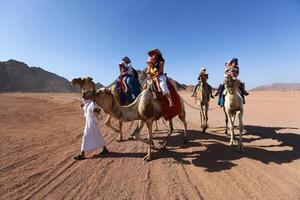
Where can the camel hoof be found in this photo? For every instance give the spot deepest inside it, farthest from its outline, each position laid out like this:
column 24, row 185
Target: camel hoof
column 147, row 158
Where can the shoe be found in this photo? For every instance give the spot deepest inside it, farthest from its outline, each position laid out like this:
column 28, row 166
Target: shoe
column 79, row 157
column 104, row 151
column 246, row 93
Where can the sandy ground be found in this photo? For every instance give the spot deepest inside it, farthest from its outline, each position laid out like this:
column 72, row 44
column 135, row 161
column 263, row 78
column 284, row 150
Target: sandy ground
column 40, row 134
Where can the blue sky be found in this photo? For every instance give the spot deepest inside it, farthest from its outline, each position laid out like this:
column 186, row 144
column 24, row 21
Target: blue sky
column 75, row 38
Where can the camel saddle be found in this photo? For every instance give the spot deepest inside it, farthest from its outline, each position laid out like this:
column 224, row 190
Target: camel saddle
column 167, row 111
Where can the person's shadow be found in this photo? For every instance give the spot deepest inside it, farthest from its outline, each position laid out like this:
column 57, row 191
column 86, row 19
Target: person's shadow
column 218, row 155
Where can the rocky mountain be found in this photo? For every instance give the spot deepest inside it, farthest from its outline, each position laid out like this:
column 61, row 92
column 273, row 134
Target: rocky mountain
column 279, row 87
column 16, row 76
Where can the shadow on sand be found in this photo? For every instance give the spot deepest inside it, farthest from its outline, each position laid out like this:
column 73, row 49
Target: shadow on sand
column 218, row 155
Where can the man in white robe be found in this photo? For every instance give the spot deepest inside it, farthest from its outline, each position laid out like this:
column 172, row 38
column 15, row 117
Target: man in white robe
column 92, row 138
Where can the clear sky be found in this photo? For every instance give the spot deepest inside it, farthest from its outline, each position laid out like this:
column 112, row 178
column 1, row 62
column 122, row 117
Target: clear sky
column 75, row 38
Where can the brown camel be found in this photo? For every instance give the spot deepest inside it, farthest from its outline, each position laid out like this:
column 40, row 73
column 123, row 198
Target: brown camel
column 202, row 98
column 87, row 83
column 233, row 104
column 144, row 108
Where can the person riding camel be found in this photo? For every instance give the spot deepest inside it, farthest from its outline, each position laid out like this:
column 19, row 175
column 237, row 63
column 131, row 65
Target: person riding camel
column 159, row 62
column 205, row 75
column 152, row 71
column 127, row 74
column 123, row 76
column 231, row 69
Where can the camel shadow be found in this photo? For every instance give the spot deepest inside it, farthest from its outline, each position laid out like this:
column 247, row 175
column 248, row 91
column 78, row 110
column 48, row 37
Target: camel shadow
column 219, row 156
column 216, row 155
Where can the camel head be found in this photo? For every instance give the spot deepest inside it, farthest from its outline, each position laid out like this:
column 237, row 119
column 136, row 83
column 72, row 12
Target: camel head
column 232, row 84
column 85, row 83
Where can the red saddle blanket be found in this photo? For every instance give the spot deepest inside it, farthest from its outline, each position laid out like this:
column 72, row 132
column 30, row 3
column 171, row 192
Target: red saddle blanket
column 170, row 112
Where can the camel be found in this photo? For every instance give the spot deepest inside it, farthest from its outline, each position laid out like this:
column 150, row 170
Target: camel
column 233, row 104
column 145, row 108
column 87, row 83
column 202, row 97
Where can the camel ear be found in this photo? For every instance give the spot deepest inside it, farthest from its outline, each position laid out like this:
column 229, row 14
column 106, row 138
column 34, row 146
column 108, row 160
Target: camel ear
column 89, row 78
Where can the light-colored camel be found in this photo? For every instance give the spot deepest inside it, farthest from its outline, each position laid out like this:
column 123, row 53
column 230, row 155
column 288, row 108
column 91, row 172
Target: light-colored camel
column 86, row 83
column 233, row 105
column 202, row 98
column 145, row 108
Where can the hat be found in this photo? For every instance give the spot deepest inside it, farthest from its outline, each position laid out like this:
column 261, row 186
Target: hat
column 234, row 60
column 154, row 51
column 126, row 59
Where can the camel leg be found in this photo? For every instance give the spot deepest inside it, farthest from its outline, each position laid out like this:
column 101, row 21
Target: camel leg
column 182, row 118
column 149, row 125
column 241, row 127
column 107, row 123
column 205, row 119
column 171, row 129
column 201, row 117
column 231, row 127
column 136, row 133
column 120, row 139
column 226, row 123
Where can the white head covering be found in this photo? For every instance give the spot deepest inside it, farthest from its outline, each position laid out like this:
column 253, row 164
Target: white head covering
column 203, row 69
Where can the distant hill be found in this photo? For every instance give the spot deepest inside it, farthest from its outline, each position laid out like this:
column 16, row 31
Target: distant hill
column 17, row 76
column 279, row 87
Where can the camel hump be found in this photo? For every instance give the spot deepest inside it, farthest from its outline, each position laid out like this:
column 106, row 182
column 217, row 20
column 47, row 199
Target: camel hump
column 145, row 107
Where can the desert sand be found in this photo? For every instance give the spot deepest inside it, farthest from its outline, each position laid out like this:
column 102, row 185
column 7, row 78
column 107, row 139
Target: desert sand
column 41, row 132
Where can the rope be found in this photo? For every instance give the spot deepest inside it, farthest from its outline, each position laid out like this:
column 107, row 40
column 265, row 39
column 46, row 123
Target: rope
column 192, row 105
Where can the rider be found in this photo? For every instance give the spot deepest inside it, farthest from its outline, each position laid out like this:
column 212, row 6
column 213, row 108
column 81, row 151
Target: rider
column 159, row 63
column 123, row 75
column 202, row 73
column 231, row 69
column 152, row 71
column 130, row 74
